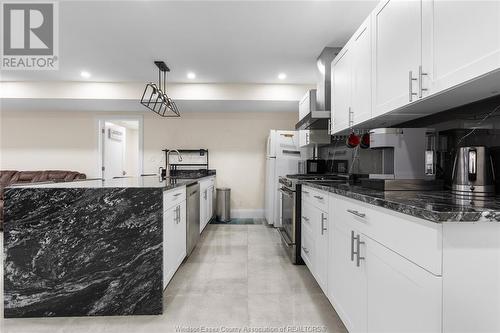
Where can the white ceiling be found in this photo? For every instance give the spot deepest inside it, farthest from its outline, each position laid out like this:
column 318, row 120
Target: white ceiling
column 221, row 41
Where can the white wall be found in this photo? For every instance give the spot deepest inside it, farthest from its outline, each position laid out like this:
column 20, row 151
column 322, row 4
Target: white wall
column 34, row 140
column 132, row 152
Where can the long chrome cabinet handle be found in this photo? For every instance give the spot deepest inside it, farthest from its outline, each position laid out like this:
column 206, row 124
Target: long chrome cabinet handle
column 358, row 251
column 318, row 197
column 420, row 76
column 410, row 86
column 305, row 192
column 355, row 212
column 352, row 245
column 323, row 229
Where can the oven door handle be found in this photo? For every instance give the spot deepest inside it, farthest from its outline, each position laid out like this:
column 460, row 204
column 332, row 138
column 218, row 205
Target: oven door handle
column 284, row 237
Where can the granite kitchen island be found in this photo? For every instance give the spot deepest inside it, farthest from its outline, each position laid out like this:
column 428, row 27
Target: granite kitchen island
column 89, row 248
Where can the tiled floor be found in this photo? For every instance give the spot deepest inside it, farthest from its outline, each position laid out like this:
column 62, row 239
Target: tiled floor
column 238, row 276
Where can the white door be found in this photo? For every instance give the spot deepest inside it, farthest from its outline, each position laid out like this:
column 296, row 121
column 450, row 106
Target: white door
column 461, row 41
column 174, row 240
column 113, row 151
column 396, row 54
column 341, row 90
column 402, row 297
column 361, row 99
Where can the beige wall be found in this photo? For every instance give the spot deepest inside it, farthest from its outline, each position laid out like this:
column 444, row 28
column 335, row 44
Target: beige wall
column 68, row 140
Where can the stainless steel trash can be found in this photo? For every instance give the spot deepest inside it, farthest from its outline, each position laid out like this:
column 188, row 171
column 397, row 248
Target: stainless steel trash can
column 223, row 206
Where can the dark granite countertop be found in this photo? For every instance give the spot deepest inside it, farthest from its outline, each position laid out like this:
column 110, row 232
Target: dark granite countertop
column 434, row 206
column 152, row 181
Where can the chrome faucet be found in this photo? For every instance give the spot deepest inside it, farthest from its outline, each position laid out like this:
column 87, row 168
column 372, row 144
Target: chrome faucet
column 179, row 157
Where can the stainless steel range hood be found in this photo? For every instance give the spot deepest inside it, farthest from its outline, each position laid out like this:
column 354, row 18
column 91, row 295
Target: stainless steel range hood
column 314, row 108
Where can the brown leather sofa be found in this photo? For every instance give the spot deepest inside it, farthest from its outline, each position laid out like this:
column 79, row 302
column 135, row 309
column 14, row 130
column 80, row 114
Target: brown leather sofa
column 10, row 177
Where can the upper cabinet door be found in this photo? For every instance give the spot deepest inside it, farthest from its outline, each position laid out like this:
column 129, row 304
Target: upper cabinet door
column 460, row 40
column 341, row 90
column 362, row 73
column 396, row 54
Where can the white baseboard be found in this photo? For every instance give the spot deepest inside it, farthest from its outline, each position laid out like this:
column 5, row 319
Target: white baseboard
column 247, row 213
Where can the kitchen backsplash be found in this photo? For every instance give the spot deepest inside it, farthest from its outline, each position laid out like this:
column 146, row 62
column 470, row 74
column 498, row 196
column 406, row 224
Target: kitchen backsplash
column 364, row 161
column 360, row 161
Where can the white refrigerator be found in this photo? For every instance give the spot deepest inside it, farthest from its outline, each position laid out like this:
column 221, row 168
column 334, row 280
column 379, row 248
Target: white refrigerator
column 282, row 157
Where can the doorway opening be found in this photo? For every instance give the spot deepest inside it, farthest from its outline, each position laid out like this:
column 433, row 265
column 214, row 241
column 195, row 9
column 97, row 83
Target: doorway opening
column 120, row 147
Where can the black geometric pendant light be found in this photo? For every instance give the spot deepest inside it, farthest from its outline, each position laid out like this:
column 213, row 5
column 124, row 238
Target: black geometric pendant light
column 155, row 95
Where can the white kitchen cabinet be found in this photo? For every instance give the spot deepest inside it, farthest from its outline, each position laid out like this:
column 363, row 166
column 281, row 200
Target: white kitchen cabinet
column 315, row 228
column 341, row 90
column 174, row 234
column 416, row 58
column 401, row 296
column 371, row 286
column 396, row 54
column 346, row 280
column 207, row 197
column 460, row 41
column 352, row 81
column 361, row 105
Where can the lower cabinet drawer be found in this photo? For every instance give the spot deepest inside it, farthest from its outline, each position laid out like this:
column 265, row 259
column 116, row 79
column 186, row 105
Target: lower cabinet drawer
column 418, row 240
column 173, row 197
column 315, row 197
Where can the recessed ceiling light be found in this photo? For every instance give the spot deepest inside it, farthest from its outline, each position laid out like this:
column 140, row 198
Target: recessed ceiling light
column 85, row 74
column 191, row 75
column 281, row 76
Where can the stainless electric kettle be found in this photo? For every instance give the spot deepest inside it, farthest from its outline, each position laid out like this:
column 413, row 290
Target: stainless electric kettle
column 473, row 172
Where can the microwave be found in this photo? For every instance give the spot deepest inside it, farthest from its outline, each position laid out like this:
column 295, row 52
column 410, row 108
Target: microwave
column 312, row 166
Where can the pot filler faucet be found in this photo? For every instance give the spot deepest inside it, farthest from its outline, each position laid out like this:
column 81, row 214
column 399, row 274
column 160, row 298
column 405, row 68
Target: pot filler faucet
column 179, row 156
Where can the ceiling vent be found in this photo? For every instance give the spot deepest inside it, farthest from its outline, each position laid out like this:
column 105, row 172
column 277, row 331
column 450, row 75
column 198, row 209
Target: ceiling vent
column 155, row 96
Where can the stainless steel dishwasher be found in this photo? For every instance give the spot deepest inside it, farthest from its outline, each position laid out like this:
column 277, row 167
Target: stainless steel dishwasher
column 193, row 217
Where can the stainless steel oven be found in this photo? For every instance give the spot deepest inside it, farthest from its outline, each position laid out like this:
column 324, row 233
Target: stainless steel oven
column 290, row 209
